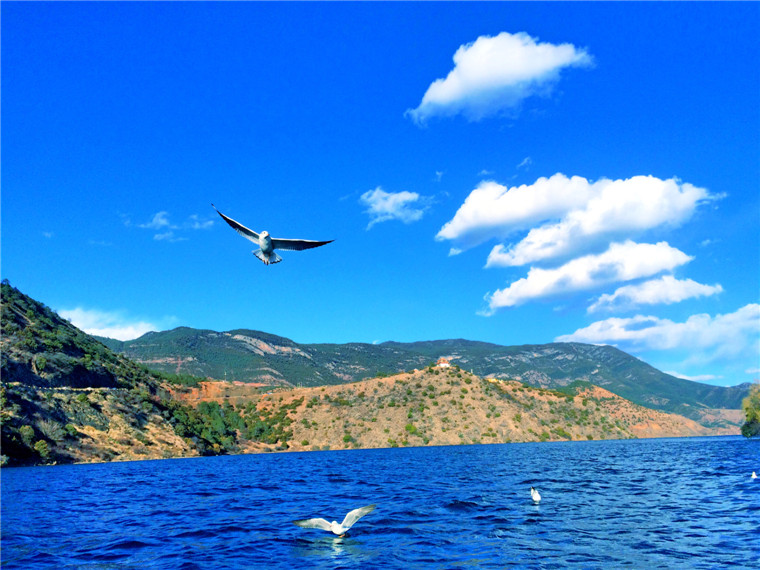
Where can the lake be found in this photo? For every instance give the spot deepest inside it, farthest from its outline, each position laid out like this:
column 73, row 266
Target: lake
column 665, row 503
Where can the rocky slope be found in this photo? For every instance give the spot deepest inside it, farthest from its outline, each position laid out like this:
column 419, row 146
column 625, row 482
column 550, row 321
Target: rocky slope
column 439, row 407
column 67, row 398
column 44, row 425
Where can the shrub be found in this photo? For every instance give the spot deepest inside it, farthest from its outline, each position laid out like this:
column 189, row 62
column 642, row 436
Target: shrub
column 52, row 430
column 27, row 433
column 40, row 361
column 42, row 448
column 562, row 433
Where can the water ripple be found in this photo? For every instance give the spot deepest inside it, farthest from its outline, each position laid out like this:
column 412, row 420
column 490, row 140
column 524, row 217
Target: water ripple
column 684, row 503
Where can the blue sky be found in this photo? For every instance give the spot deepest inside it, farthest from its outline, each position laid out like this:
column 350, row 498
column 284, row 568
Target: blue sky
column 505, row 172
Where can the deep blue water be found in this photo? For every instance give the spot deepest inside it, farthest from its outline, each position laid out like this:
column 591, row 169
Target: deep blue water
column 669, row 503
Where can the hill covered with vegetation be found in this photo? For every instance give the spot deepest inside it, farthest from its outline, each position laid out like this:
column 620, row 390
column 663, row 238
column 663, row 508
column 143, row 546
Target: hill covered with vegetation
column 751, row 406
column 266, row 359
column 67, row 398
column 438, row 406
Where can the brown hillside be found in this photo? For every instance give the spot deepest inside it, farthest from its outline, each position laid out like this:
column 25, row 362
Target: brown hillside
column 447, row 408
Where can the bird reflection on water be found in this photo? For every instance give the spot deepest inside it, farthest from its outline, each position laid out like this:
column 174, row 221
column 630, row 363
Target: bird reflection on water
column 330, row 547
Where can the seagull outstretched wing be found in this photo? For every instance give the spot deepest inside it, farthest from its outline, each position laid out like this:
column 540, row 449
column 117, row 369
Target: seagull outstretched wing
column 313, row 523
column 296, row 244
column 355, row 515
column 240, row 228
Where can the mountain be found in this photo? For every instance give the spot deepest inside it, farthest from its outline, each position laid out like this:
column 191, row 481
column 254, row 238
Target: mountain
column 65, row 397
column 266, row 359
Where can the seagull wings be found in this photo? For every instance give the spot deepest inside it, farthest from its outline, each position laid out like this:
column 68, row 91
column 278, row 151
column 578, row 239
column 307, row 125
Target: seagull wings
column 296, row 244
column 355, row 515
column 240, row 228
column 313, row 523
column 277, row 243
column 347, row 523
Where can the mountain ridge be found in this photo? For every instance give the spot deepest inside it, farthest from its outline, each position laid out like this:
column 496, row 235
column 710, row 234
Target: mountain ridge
column 248, row 355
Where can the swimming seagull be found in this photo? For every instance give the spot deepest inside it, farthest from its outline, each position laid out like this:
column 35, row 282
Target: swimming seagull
column 535, row 495
column 339, row 529
column 268, row 244
column 753, row 476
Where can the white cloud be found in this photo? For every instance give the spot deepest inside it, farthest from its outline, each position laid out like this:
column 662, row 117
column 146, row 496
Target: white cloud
column 168, row 236
column 710, row 338
column 698, row 378
column 665, row 290
column 567, row 216
column 159, row 221
column 194, row 222
column 621, row 262
column 166, row 230
column 495, row 74
column 493, row 210
column 383, row 206
column 525, row 163
column 107, row 323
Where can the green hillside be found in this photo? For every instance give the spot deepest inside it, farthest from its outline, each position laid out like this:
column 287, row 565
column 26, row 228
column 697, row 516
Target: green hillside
column 67, row 398
column 41, row 348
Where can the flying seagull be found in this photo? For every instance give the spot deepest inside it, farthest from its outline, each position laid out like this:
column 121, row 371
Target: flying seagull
column 268, row 244
column 339, row 529
column 535, row 495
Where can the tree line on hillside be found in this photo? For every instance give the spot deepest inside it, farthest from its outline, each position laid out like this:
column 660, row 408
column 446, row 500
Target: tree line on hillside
column 751, row 405
column 56, row 380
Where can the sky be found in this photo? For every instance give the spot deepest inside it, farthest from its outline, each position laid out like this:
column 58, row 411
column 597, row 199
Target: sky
column 515, row 173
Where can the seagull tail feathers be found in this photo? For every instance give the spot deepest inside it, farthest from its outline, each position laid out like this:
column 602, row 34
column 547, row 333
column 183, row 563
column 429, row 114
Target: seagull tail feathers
column 273, row 257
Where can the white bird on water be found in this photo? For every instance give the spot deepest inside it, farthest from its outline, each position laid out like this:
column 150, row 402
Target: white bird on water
column 535, row 495
column 268, row 244
column 339, row 529
column 753, row 476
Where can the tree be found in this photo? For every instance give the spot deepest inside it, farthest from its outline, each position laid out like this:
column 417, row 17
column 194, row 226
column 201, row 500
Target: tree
column 751, row 405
